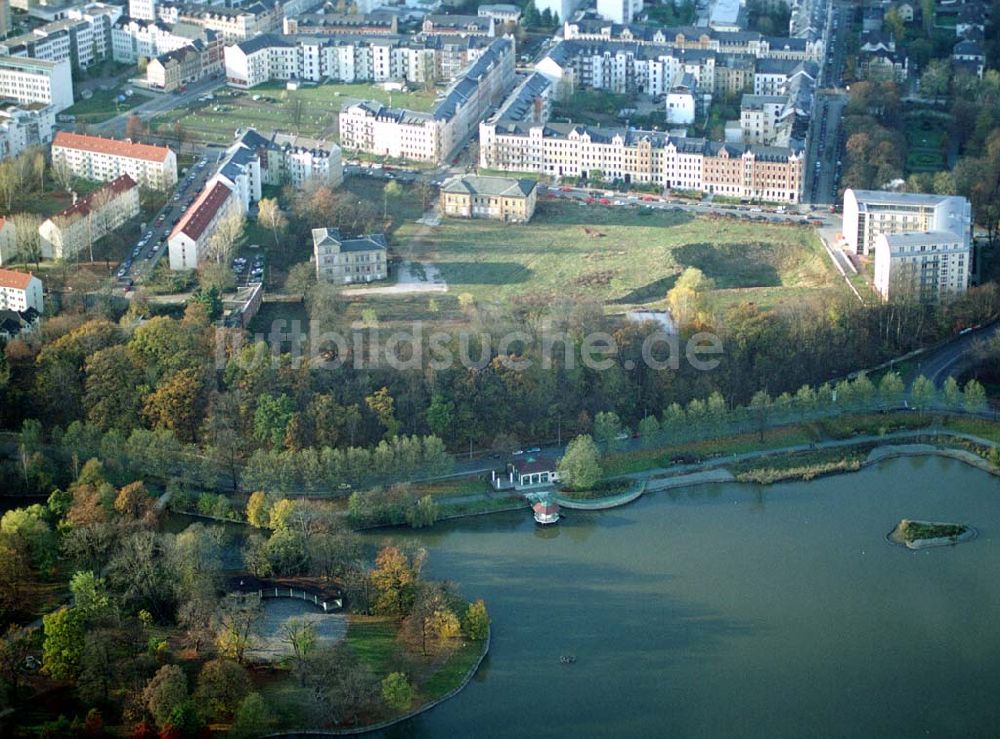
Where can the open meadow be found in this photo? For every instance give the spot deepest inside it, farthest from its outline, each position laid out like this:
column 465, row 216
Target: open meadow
column 310, row 110
column 621, row 257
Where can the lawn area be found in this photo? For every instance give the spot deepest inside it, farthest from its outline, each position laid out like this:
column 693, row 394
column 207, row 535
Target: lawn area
column 926, row 143
column 103, row 105
column 277, row 108
column 623, row 256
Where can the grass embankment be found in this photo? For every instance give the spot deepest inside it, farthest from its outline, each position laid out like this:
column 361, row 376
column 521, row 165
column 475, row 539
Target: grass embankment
column 594, row 253
column 604, row 489
column 691, row 452
column 794, row 434
column 377, row 644
column 804, row 466
column 498, row 502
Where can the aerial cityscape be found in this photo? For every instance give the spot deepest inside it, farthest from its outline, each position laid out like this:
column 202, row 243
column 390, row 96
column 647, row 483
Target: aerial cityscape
column 545, row 368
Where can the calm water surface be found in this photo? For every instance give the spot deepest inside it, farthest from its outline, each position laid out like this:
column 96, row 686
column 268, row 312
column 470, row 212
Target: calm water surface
column 732, row 610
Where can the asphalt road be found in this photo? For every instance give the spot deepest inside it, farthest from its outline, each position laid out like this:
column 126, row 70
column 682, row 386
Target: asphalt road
column 948, row 360
column 161, row 103
column 154, row 246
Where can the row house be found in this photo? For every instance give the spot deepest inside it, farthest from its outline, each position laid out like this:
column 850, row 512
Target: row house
column 187, row 64
column 730, row 42
column 341, row 24
column 105, row 159
column 74, row 229
column 649, row 157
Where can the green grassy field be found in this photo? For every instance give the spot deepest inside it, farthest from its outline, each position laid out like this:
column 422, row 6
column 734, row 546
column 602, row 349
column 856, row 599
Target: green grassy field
column 217, row 119
column 623, row 257
column 102, row 106
column 926, row 145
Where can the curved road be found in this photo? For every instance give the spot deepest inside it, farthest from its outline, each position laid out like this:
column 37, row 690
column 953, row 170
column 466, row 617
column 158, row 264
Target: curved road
column 941, row 363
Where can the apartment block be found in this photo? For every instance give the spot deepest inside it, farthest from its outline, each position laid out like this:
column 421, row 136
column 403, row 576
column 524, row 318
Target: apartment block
column 133, row 39
column 376, row 58
column 189, row 239
column 73, row 230
column 20, row 291
column 344, row 261
column 650, row 157
column 924, row 266
column 432, row 136
column 23, row 126
column 101, row 159
column 235, row 24
column 871, row 213
column 338, row 24
column 497, row 198
column 25, row 80
column 459, row 25
column 806, row 48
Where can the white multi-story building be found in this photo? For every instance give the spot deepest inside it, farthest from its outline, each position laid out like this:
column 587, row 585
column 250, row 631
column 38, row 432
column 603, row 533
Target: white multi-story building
column 501, row 12
column 871, row 213
column 82, row 37
column 810, row 48
column 618, row 11
column 376, row 58
column 297, row 159
column 142, row 9
column 37, row 81
column 8, row 240
column 101, row 159
column 76, row 228
column 190, row 237
column 20, row 291
column 925, row 266
column 132, row 39
column 22, row 126
column 235, row 24
column 433, row 136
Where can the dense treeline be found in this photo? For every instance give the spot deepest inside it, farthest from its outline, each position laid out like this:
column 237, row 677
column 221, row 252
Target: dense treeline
column 153, row 397
column 151, row 610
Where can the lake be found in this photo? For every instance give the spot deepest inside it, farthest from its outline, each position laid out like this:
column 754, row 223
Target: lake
column 735, row 610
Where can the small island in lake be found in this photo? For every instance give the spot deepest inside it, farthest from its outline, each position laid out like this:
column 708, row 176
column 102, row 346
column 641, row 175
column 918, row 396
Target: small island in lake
column 921, row 534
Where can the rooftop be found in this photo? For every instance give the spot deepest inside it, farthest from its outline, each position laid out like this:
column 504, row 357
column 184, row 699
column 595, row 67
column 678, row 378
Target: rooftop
column 196, row 218
column 474, row 184
column 13, row 279
column 922, row 238
column 112, row 147
column 82, row 206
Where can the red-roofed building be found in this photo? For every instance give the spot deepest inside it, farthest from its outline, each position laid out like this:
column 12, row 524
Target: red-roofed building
column 8, row 240
column 20, row 291
column 104, row 159
column 90, row 218
column 191, row 234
